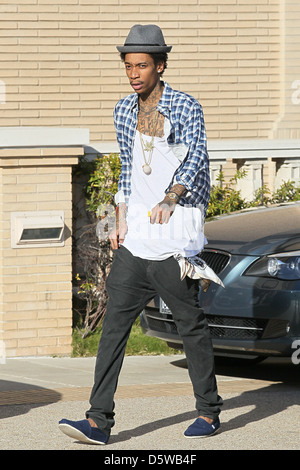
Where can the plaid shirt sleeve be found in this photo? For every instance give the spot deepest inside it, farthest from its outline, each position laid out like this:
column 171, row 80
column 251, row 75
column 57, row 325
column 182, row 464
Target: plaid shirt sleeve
column 125, row 120
column 193, row 173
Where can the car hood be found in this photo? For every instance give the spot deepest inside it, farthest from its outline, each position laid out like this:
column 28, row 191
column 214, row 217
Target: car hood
column 255, row 232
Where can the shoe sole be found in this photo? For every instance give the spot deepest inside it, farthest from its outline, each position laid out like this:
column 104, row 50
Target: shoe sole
column 201, row 437
column 76, row 434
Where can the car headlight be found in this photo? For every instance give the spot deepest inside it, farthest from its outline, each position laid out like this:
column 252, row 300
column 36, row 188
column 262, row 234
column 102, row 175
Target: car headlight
column 285, row 266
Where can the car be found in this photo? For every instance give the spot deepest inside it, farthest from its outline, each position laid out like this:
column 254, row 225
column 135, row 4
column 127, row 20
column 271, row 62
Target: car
column 256, row 254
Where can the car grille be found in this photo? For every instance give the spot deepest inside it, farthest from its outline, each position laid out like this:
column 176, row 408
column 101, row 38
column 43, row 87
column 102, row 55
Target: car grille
column 239, row 328
column 222, row 327
column 216, row 260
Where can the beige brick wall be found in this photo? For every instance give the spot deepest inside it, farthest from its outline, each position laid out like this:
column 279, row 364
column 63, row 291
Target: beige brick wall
column 36, row 283
column 60, row 67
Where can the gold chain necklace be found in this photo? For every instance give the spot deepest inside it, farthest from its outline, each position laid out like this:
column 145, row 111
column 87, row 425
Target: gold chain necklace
column 148, row 147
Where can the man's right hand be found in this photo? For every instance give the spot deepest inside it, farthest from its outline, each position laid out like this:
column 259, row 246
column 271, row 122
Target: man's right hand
column 117, row 235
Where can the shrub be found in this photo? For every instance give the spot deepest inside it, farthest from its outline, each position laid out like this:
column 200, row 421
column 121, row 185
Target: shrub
column 224, row 198
column 287, row 192
column 94, row 252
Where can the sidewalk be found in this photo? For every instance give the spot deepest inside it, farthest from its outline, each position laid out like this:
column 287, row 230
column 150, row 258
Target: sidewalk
column 154, row 405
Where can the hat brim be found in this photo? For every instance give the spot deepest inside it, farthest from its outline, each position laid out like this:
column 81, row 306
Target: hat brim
column 143, row 49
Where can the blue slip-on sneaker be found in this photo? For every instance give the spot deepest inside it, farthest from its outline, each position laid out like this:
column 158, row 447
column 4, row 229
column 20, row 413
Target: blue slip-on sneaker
column 201, row 428
column 83, row 431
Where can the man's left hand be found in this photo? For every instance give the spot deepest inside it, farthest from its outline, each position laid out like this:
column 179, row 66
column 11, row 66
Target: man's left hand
column 162, row 212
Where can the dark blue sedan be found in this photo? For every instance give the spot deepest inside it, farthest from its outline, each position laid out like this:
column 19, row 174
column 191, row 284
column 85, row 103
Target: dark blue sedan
column 256, row 254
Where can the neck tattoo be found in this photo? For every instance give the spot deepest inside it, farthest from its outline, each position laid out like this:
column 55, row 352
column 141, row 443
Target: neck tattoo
column 150, row 122
column 148, row 147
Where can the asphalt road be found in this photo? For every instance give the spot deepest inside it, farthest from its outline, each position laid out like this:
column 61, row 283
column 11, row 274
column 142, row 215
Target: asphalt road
column 154, row 405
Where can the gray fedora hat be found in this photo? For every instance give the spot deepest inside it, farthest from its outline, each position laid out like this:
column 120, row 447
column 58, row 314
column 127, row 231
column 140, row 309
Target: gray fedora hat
column 147, row 39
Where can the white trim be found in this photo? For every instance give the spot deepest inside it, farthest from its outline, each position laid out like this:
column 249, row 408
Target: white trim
column 224, row 149
column 42, row 136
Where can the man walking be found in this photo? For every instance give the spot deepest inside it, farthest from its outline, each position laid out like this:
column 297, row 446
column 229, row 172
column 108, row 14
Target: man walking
column 162, row 200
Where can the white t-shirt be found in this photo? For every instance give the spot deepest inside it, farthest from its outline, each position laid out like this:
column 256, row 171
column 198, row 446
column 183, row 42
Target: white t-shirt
column 183, row 233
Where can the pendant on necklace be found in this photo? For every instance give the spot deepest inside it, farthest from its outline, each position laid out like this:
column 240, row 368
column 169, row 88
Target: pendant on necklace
column 148, row 146
column 147, row 169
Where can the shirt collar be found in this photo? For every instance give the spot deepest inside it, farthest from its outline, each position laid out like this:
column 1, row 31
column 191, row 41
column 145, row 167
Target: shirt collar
column 166, row 98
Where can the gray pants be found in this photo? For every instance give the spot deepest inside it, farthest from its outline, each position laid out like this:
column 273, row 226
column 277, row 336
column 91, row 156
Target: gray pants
column 131, row 284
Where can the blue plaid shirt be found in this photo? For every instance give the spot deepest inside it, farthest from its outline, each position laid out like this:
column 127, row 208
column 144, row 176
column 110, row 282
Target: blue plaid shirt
column 187, row 138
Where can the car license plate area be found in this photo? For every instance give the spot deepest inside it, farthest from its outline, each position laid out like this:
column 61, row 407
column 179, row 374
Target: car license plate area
column 163, row 308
